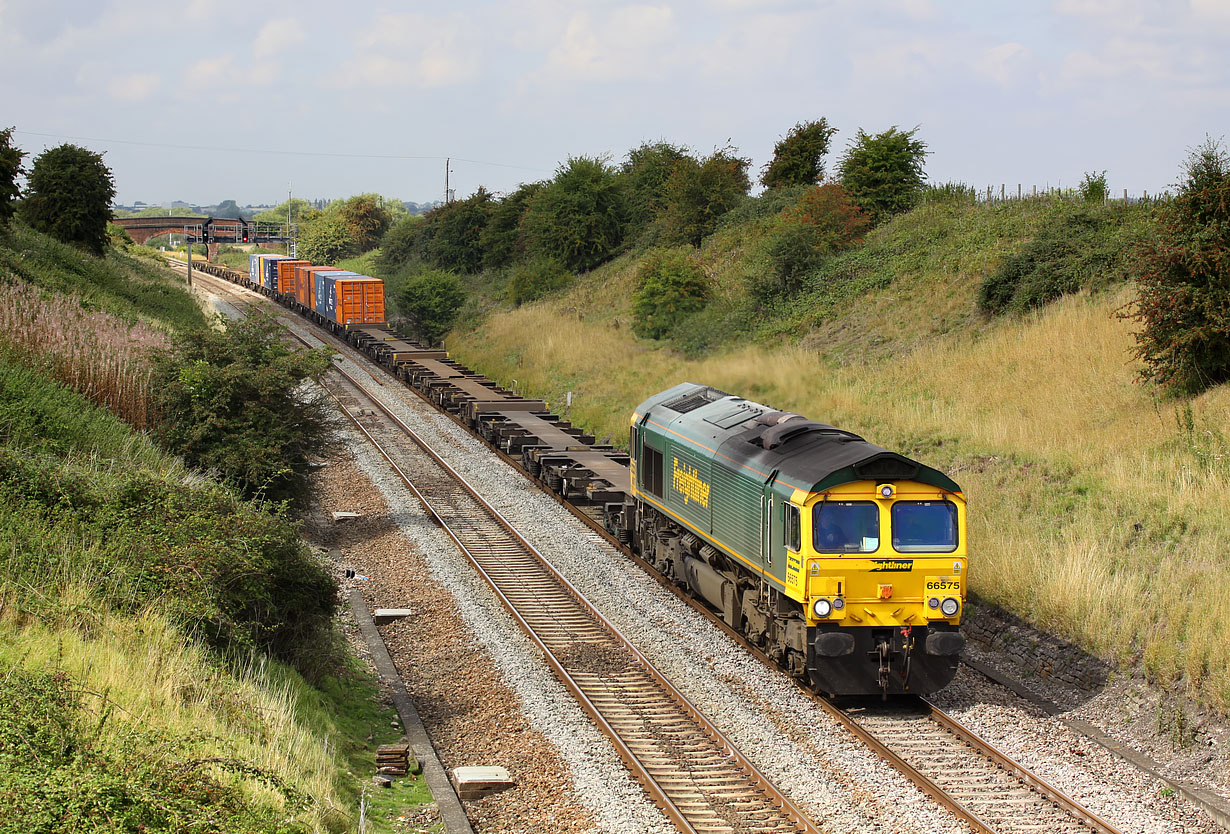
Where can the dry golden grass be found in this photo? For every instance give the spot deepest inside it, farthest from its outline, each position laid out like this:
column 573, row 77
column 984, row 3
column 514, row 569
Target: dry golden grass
column 89, row 351
column 1094, row 507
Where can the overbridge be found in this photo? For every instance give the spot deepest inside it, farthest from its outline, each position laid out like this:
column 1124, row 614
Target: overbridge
column 141, row 229
column 210, row 230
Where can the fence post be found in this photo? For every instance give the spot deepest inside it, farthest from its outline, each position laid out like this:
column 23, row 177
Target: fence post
column 1018, row 191
column 1001, row 191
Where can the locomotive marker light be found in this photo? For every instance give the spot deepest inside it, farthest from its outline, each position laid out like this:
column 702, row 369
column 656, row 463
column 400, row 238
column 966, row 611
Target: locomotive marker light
column 886, row 491
column 949, row 607
column 934, row 602
column 839, row 604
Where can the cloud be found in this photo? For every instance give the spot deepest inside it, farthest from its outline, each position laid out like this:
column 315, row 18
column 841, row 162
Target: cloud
column 1003, row 64
column 412, row 50
column 276, row 36
column 134, row 88
column 623, row 44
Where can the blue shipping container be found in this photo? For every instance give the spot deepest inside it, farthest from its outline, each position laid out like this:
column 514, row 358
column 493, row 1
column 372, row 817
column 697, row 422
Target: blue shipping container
column 252, row 267
column 270, row 277
column 326, row 293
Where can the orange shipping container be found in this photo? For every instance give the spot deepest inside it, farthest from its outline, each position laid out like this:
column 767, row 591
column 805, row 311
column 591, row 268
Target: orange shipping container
column 360, row 301
column 305, row 283
column 286, row 274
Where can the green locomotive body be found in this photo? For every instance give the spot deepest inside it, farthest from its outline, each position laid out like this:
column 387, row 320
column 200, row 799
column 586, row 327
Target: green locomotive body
column 846, row 562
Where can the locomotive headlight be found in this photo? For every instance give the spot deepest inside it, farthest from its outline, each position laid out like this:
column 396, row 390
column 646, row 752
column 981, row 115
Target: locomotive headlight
column 933, row 603
column 949, row 607
column 822, row 608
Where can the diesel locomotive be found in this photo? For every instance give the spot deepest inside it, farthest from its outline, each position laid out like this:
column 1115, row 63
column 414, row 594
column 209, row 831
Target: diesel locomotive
column 843, row 561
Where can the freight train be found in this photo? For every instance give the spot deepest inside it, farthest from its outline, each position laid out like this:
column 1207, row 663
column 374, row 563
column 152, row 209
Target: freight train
column 844, row 562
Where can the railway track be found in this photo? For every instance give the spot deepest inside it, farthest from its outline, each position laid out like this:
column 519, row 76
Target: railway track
column 964, row 773
column 698, row 778
column 668, row 744
column 694, row 774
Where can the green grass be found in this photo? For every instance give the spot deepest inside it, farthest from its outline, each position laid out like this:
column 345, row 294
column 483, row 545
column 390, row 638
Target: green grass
column 131, row 285
column 167, row 658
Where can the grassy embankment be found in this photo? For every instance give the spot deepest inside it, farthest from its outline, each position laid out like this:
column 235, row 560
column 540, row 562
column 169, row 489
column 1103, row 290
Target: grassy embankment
column 137, row 693
column 1093, row 502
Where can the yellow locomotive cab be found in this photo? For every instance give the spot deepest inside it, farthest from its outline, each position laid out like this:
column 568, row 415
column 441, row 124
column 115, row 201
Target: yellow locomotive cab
column 887, row 555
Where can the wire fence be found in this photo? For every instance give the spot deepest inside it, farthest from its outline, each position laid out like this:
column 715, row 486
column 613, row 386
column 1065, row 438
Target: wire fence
column 1004, row 192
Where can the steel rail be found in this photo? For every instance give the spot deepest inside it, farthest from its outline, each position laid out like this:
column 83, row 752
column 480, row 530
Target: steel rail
column 1002, row 760
column 914, row 775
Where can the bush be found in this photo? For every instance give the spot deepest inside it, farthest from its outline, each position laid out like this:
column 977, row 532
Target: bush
column 824, row 220
column 535, row 279
column 1077, row 248
column 430, row 302
column 69, row 196
column 1093, row 188
column 233, row 401
column 671, row 287
column 1183, row 303
column 798, row 159
column 884, row 172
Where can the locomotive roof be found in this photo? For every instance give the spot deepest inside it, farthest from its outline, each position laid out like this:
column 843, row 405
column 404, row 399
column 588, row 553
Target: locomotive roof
column 807, row 454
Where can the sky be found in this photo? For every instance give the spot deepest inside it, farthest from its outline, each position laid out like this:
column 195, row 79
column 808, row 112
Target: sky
column 207, row 101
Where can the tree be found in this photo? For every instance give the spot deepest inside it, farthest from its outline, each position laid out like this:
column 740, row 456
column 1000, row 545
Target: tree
column 430, row 301
column 400, row 242
column 301, row 211
column 1184, row 281
column 579, row 218
column 455, row 242
column 228, row 210
column 366, row 216
column 69, row 196
column 10, row 170
column 798, row 159
column 501, row 240
column 646, row 172
column 233, row 401
column 884, row 172
column 326, row 240
column 698, row 193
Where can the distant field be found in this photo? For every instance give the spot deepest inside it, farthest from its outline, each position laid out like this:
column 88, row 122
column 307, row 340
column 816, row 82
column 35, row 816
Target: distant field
column 1093, row 503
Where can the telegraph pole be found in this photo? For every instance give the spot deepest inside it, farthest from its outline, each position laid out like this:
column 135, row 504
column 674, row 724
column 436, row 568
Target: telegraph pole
column 447, row 159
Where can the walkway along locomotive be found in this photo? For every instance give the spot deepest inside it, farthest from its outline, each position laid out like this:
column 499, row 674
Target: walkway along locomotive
column 845, row 562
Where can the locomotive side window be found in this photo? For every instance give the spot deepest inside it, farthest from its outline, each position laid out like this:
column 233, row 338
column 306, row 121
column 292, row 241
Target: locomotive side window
column 651, row 478
column 846, row 527
column 793, row 536
column 924, row 526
